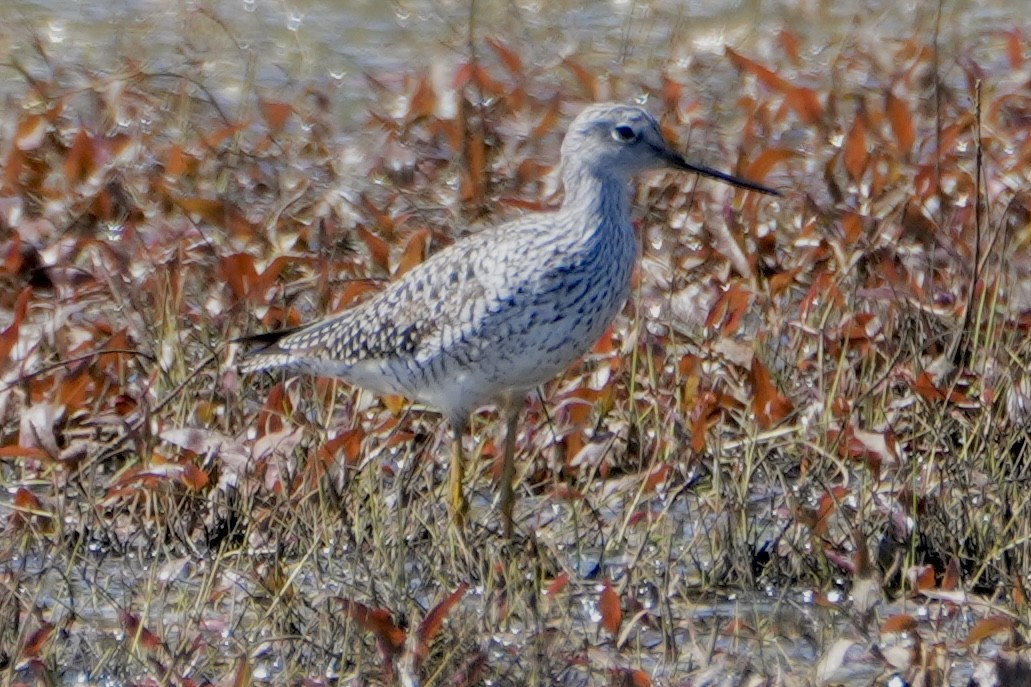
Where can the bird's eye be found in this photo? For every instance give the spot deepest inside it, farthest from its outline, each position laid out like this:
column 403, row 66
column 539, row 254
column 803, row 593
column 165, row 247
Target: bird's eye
column 624, row 134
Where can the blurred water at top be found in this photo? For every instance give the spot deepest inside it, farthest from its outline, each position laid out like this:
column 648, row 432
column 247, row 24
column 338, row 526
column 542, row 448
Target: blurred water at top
column 271, row 42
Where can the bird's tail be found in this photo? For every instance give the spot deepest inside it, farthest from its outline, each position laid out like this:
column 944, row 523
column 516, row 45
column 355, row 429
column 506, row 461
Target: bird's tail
column 265, row 352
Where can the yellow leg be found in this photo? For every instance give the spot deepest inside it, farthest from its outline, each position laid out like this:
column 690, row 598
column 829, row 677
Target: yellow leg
column 458, row 505
column 510, row 407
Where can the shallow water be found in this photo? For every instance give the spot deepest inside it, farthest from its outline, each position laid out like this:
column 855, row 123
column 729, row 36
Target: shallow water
column 340, row 42
column 713, row 637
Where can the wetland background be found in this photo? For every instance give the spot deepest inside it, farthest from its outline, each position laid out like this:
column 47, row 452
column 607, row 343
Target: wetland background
column 800, row 456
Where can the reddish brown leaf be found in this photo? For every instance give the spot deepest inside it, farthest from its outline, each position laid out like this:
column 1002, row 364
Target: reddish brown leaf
column 729, row 309
column 463, row 75
column 530, row 171
column 37, row 640
column 989, row 627
column 276, row 407
column 852, row 227
column 557, row 585
column 28, row 508
column 672, row 92
column 823, row 292
column 239, row 272
column 161, row 471
column 137, row 633
column 395, row 404
column 829, row 503
column 861, row 558
column 925, row 387
column 805, row 103
column 901, row 123
column 32, row 452
column 414, row 253
column 258, row 285
column 738, row 627
column 704, row 415
column 423, row 102
column 379, row 250
column 855, row 152
column 656, row 477
column 104, row 204
column 901, row 622
column 26, row 500
column 483, row 80
column 639, row 516
column 353, row 291
column 430, row 625
column 609, row 607
column 117, row 343
column 19, row 255
column 9, row 336
column 583, row 77
column 175, row 161
column 925, row 578
column 627, row 677
column 206, row 412
column 790, row 44
column 276, row 114
column 564, row 493
column 765, row 76
column 377, row 621
column 243, row 674
column 80, row 162
column 689, row 364
column 382, row 219
column 73, row 391
column 761, row 166
column 193, row 477
column 859, row 327
column 349, row 442
column 950, row 580
column 780, row 281
column 474, row 183
column 572, row 445
column 210, row 209
column 117, row 147
column 951, row 134
column 1015, row 48
column 549, row 121
column 605, row 345
column 30, row 133
column 214, row 139
column 507, row 55
column 768, row 404
column 13, row 166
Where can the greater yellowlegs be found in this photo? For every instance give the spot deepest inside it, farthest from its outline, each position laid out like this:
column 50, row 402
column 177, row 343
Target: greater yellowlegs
column 489, row 318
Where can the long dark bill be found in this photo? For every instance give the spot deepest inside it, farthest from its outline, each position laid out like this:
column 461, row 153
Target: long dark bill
column 678, row 161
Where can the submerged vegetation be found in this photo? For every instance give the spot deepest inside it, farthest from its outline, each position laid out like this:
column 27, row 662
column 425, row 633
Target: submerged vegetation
column 801, row 456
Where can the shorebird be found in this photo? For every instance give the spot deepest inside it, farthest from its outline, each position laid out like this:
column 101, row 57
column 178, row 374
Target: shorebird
column 489, row 318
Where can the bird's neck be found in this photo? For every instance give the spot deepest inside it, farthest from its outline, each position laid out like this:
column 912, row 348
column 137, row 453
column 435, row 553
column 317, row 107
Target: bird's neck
column 601, row 199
